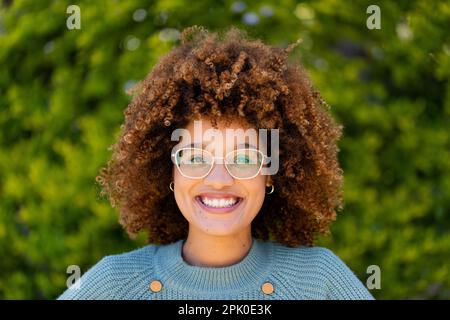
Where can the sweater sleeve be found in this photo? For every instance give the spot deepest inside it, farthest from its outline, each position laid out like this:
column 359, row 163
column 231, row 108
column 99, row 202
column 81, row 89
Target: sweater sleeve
column 342, row 282
column 96, row 284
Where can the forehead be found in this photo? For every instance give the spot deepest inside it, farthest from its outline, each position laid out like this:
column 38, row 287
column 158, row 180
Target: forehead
column 222, row 124
column 229, row 133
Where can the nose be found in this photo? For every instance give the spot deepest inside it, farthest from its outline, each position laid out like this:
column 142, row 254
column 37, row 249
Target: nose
column 219, row 177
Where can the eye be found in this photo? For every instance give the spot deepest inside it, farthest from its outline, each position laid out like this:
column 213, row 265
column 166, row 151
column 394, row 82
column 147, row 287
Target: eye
column 191, row 157
column 242, row 159
column 246, row 157
column 196, row 160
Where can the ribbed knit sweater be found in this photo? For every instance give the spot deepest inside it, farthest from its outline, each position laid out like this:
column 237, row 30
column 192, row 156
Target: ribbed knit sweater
column 268, row 271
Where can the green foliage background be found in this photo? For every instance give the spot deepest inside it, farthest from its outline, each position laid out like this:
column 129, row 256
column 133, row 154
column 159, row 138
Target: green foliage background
column 62, row 94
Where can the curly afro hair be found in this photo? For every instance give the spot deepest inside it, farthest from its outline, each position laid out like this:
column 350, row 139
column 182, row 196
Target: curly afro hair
column 227, row 75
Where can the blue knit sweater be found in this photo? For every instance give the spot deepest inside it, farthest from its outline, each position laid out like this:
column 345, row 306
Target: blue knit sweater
column 269, row 271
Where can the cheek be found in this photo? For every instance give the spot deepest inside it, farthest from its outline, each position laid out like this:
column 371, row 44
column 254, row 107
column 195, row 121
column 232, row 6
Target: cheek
column 255, row 189
column 182, row 186
column 176, row 176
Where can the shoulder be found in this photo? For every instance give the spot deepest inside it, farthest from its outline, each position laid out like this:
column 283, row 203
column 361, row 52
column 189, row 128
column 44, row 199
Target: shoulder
column 318, row 261
column 132, row 261
column 320, row 257
column 112, row 272
column 320, row 272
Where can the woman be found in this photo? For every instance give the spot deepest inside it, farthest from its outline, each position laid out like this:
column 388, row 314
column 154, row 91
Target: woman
column 225, row 219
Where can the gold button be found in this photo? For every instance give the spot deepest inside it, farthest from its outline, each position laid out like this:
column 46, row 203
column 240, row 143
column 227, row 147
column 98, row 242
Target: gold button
column 267, row 288
column 155, row 286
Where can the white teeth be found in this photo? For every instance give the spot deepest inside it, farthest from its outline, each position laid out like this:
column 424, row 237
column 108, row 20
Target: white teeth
column 219, row 203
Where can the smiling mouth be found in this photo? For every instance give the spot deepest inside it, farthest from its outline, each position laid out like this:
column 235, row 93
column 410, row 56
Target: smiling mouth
column 218, row 204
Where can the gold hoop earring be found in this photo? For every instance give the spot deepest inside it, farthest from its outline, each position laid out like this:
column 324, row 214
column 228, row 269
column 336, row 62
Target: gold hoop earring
column 271, row 190
column 171, row 186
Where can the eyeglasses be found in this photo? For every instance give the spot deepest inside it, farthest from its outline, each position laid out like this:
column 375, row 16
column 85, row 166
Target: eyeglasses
column 196, row 163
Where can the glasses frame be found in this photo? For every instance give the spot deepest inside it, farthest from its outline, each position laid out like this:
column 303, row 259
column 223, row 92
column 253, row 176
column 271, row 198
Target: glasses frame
column 174, row 155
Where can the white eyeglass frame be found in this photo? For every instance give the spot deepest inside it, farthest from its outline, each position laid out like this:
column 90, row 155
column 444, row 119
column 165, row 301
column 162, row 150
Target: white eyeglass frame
column 174, row 156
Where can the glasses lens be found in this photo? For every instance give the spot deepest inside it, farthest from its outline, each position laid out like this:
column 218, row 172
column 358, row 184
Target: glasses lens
column 193, row 162
column 244, row 163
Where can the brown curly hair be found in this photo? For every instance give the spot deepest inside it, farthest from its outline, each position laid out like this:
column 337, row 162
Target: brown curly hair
column 221, row 75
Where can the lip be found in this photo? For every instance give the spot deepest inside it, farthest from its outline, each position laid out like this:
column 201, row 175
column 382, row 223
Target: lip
column 218, row 196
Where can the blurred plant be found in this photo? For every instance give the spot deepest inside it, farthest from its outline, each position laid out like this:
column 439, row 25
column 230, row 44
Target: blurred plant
column 62, row 94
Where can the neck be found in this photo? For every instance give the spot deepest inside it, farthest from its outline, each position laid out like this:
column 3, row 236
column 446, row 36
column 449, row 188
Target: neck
column 205, row 250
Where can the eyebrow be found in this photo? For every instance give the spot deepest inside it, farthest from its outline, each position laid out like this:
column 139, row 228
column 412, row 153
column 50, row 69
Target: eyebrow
column 198, row 145
column 247, row 145
column 192, row 145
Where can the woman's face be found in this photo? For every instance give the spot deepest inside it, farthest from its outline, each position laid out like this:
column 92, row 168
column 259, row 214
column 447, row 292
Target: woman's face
column 219, row 204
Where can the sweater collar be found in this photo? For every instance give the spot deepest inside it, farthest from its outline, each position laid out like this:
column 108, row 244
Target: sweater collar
column 252, row 270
